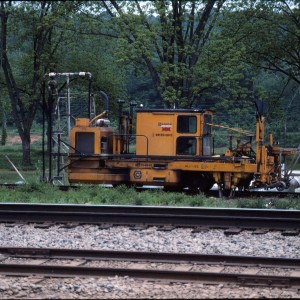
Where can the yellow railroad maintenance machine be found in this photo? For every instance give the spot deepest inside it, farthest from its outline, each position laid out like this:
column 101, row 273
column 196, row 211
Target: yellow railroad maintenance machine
column 172, row 148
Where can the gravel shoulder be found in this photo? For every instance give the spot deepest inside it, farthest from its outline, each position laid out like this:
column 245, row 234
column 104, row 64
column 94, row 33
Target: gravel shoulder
column 152, row 239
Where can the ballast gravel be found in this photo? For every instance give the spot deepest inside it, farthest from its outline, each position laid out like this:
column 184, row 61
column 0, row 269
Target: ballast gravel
column 181, row 240
column 128, row 288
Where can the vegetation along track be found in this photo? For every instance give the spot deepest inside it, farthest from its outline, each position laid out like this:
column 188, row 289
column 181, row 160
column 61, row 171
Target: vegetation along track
column 242, row 270
column 210, row 193
column 287, row 220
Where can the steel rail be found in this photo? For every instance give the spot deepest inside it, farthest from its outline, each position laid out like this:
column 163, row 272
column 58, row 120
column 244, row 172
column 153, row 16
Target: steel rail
column 173, row 275
column 150, row 215
column 160, row 257
column 170, row 275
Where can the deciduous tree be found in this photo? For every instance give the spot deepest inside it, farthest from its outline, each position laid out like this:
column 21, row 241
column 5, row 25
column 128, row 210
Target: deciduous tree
column 167, row 38
column 29, row 39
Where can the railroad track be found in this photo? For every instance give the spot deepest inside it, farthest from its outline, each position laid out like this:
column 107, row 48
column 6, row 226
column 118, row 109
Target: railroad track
column 241, row 270
column 234, row 220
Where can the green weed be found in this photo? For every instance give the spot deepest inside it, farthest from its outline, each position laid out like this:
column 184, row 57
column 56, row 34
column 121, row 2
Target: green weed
column 35, row 192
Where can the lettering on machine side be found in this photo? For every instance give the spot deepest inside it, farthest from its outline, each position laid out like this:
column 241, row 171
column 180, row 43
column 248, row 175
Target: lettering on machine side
column 143, row 165
column 194, row 166
column 165, row 126
column 163, row 134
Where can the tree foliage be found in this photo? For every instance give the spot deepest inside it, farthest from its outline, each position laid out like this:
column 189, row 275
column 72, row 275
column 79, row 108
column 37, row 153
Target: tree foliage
column 29, row 40
column 166, row 38
column 275, row 36
column 268, row 33
column 164, row 53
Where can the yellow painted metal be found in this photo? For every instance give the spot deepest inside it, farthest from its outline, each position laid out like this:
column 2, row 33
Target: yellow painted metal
column 157, row 132
column 82, row 122
column 232, row 129
column 150, row 176
column 97, row 117
column 243, row 166
column 157, row 161
column 97, row 178
column 98, row 134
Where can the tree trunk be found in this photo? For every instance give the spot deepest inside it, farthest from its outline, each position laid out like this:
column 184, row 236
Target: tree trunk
column 4, row 127
column 23, row 117
column 26, row 161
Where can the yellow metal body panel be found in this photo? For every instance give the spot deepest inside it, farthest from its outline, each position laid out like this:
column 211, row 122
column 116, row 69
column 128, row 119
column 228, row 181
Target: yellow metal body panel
column 146, row 172
column 95, row 136
column 82, row 122
column 246, row 167
column 90, row 171
column 157, row 132
column 150, row 176
column 97, row 178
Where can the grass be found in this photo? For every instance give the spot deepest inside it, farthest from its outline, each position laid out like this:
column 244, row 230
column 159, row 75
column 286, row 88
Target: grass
column 14, row 154
column 122, row 195
column 37, row 192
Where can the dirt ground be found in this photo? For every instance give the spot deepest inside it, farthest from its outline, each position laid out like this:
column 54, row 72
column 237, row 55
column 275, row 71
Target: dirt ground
column 15, row 139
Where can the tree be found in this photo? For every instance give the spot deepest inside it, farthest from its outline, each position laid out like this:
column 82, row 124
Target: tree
column 95, row 51
column 28, row 41
column 276, row 47
column 4, row 109
column 169, row 42
column 268, row 31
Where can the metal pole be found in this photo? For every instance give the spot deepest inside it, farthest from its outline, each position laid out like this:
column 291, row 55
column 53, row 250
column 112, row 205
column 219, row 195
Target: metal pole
column 69, row 107
column 50, row 138
column 43, row 134
column 58, row 155
column 89, row 112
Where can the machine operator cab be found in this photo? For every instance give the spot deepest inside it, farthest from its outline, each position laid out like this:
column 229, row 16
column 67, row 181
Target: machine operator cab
column 173, row 132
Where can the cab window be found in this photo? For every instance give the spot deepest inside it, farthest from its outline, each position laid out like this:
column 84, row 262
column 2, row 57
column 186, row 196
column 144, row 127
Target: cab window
column 206, row 145
column 186, row 145
column 85, row 142
column 186, row 124
column 207, row 128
